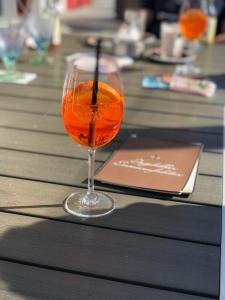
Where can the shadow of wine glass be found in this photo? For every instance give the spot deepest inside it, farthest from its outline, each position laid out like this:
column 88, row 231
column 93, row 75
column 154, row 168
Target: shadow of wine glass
column 73, row 258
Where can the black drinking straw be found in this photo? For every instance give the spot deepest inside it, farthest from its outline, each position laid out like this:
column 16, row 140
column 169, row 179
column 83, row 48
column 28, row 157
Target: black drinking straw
column 95, row 83
column 94, row 96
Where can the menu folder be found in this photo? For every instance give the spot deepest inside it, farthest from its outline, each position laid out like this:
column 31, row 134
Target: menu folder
column 153, row 164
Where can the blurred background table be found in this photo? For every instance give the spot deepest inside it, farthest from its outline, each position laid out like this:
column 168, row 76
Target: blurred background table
column 152, row 246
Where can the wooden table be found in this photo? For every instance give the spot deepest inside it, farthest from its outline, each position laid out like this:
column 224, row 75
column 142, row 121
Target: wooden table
column 152, row 246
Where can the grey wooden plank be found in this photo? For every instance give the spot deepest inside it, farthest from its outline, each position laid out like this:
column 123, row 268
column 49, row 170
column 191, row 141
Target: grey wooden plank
column 30, row 105
column 54, row 93
column 132, row 78
column 20, row 282
column 210, row 163
column 57, row 69
column 207, row 188
column 140, row 92
column 172, row 97
column 31, row 91
column 46, row 72
column 136, row 258
column 69, row 171
column 145, row 215
column 173, row 121
column 211, row 142
column 133, row 89
column 31, row 121
column 216, row 75
column 132, row 85
column 54, row 123
column 51, row 144
column 130, row 75
column 55, row 82
column 171, row 107
column 132, row 103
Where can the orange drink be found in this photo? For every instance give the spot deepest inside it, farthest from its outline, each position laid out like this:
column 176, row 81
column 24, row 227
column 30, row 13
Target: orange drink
column 192, row 23
column 92, row 112
column 92, row 125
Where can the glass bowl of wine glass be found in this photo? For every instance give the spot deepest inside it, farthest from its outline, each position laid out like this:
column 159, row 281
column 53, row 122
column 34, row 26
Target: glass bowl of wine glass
column 192, row 23
column 92, row 112
column 40, row 27
column 12, row 39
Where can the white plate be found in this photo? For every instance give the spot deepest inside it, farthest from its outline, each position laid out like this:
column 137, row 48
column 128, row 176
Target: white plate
column 106, row 42
column 156, row 56
column 123, row 62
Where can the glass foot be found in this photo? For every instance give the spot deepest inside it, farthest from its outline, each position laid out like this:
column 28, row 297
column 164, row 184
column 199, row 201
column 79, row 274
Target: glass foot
column 86, row 206
column 187, row 70
column 6, row 76
column 45, row 60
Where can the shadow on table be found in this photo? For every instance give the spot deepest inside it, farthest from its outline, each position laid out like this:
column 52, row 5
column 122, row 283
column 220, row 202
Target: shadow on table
column 218, row 79
column 70, row 258
column 209, row 136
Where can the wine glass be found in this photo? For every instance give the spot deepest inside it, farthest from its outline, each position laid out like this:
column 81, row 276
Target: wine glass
column 40, row 27
column 192, row 23
column 92, row 124
column 12, row 38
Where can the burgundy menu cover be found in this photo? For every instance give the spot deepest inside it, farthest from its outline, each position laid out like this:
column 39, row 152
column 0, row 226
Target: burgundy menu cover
column 153, row 164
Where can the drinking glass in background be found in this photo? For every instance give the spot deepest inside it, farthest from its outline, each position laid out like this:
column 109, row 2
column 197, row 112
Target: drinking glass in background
column 128, row 40
column 171, row 46
column 40, row 27
column 192, row 22
column 136, row 18
column 92, row 124
column 12, row 39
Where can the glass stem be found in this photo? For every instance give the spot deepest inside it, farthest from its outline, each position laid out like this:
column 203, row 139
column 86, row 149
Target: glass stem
column 10, row 71
column 41, row 53
column 10, row 67
column 91, row 161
